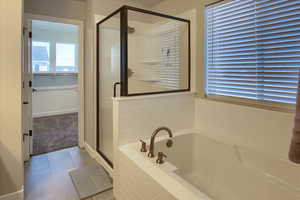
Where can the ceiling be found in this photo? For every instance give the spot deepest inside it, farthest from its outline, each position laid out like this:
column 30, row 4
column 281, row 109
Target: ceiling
column 149, row 2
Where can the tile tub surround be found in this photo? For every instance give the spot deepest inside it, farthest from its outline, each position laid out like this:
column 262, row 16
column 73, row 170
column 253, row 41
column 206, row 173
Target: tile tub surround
column 47, row 175
column 137, row 117
column 55, row 132
column 214, row 170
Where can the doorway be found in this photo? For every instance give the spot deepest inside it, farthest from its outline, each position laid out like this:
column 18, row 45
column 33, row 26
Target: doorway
column 54, row 103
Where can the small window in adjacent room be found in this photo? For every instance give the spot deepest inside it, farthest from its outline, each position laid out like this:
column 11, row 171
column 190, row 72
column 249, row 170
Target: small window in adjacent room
column 40, row 56
column 65, row 57
column 253, row 50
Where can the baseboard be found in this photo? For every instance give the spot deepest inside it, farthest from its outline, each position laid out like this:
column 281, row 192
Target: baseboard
column 52, row 113
column 95, row 155
column 19, row 195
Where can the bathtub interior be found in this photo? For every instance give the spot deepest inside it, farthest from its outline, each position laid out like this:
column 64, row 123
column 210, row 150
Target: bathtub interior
column 182, row 145
column 226, row 172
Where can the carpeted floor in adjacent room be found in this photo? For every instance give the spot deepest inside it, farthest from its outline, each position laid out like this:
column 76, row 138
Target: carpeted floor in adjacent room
column 55, row 132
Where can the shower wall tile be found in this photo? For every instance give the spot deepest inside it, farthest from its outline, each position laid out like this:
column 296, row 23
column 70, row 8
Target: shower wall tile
column 262, row 130
column 138, row 117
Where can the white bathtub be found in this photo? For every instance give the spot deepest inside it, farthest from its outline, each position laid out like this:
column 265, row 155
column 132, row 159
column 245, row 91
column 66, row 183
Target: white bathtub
column 199, row 168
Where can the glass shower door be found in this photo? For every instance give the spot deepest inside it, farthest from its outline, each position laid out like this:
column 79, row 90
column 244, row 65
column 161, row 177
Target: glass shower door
column 108, row 74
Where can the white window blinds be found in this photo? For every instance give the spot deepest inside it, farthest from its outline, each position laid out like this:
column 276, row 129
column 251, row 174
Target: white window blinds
column 253, row 49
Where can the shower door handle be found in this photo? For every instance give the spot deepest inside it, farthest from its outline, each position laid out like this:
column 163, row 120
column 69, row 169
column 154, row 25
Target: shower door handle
column 115, row 88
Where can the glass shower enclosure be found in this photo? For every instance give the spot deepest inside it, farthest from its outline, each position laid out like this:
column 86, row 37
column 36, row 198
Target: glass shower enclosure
column 139, row 52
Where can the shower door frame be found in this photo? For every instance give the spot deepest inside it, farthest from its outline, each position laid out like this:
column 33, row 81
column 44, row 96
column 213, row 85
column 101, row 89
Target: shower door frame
column 106, row 159
column 123, row 11
column 124, row 50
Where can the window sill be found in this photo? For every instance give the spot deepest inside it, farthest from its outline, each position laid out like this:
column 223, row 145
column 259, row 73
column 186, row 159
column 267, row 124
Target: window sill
column 265, row 105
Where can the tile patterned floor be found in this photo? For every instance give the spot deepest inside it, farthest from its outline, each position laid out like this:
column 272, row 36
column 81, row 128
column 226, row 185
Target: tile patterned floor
column 47, row 178
column 54, row 132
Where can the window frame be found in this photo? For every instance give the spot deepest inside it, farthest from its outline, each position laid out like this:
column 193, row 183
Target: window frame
column 203, row 82
column 75, row 61
column 50, row 54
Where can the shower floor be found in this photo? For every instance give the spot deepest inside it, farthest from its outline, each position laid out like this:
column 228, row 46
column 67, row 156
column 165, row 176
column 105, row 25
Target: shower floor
column 55, row 132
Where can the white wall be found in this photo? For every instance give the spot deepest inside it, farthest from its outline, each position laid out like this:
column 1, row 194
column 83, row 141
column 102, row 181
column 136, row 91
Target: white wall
column 59, row 100
column 89, row 78
column 55, row 36
column 174, row 7
column 105, row 7
column 11, row 159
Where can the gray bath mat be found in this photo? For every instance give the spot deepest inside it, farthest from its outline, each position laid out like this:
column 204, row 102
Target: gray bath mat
column 90, row 181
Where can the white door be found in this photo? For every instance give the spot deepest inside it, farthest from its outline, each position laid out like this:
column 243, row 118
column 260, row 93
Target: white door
column 27, row 91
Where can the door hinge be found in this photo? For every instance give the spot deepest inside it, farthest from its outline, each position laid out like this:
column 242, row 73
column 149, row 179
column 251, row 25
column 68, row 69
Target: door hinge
column 30, row 34
column 27, row 135
column 24, row 30
column 30, row 83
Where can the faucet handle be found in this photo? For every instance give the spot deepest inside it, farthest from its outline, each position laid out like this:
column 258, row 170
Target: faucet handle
column 144, row 146
column 169, row 143
column 160, row 158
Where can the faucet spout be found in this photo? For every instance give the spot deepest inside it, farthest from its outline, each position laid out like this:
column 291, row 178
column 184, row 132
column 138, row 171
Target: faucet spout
column 152, row 141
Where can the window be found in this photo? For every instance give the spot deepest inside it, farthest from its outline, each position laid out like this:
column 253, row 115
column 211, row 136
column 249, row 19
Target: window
column 62, row 60
column 40, row 56
column 253, row 50
column 65, row 57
